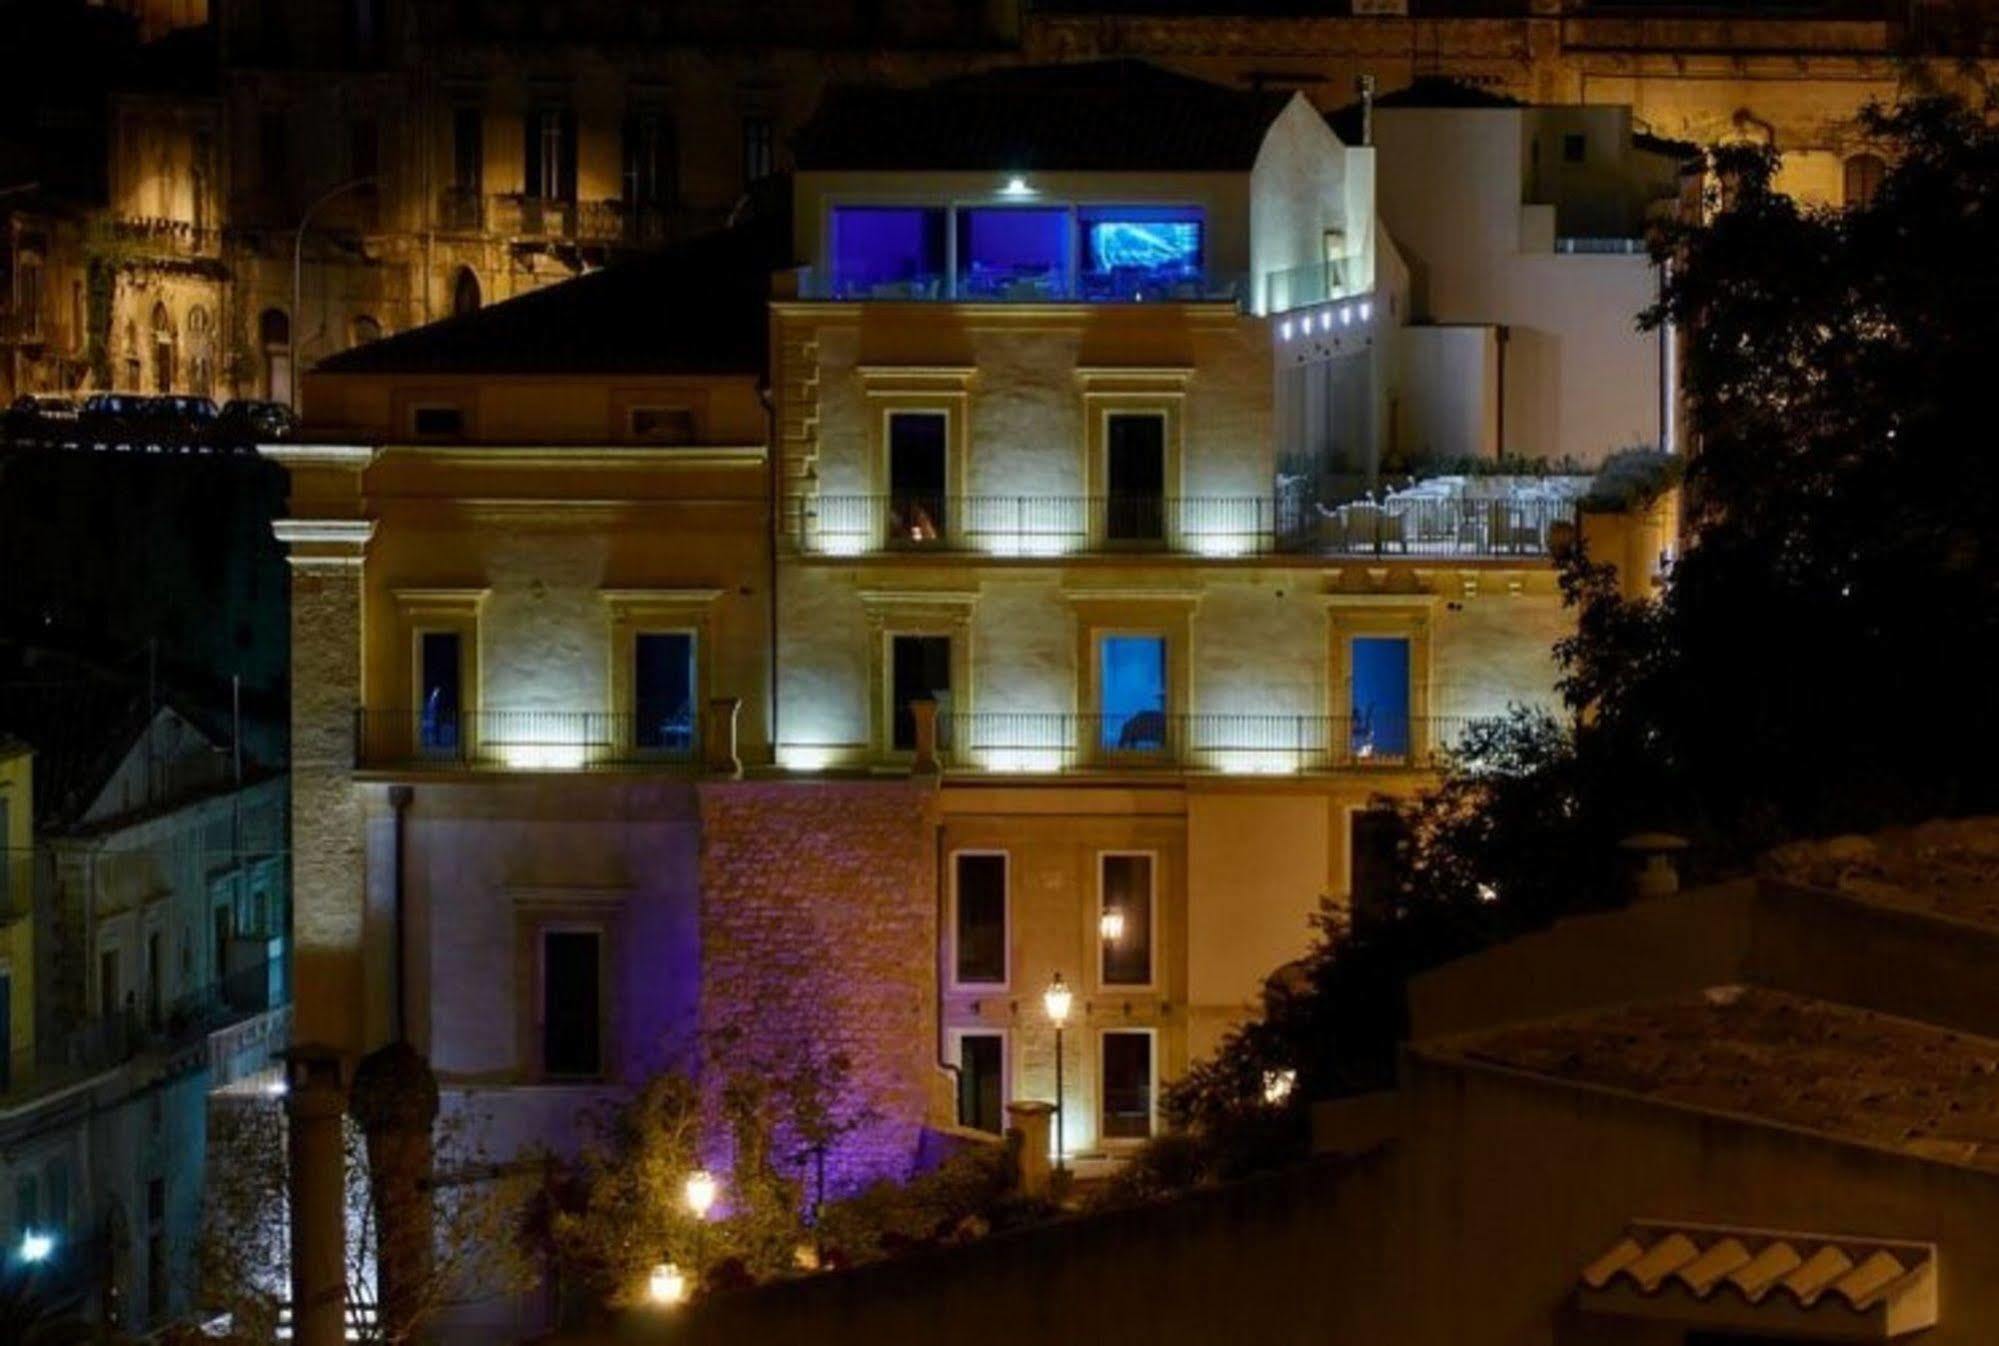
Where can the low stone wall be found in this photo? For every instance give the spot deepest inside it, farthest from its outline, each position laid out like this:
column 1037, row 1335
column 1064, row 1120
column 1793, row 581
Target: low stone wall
column 819, row 934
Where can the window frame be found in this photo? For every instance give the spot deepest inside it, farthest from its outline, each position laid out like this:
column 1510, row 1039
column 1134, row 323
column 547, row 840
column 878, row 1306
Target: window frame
column 1151, row 1034
column 954, row 1043
column 1412, row 619
column 631, row 613
column 1171, row 749
column 1151, row 983
column 422, row 612
column 953, row 981
column 915, row 612
column 571, row 925
column 1134, row 392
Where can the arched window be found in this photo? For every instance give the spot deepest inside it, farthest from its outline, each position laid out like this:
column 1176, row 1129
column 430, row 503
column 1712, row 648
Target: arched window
column 1864, row 173
column 274, row 332
column 464, row 293
column 134, row 366
column 363, row 330
column 200, row 352
column 163, row 349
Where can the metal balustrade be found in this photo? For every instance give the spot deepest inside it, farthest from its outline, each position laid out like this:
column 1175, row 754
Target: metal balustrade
column 1066, row 525
column 1028, row 741
column 520, row 740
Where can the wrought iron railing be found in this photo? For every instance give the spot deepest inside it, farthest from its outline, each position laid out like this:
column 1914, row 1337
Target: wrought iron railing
column 1061, row 525
column 1249, row 744
column 521, row 740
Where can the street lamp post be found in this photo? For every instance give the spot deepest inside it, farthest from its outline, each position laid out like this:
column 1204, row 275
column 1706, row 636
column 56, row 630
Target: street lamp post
column 1056, row 1000
column 700, row 1192
column 298, row 274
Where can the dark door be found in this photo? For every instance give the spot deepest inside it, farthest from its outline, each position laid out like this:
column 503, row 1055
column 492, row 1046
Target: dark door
column 922, row 672
column 979, row 1085
column 1135, row 478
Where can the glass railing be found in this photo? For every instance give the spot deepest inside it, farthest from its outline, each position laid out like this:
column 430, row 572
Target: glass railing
column 1120, row 286
column 1302, row 286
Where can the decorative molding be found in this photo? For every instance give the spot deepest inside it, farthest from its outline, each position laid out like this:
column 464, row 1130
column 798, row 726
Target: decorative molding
column 460, row 601
column 916, row 378
column 558, row 458
column 354, row 533
column 628, row 601
column 354, row 456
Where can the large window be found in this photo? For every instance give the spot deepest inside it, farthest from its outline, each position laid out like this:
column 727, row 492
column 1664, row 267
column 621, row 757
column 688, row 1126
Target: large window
column 572, row 1037
column 1131, row 696
column 979, row 953
column 1374, row 847
column 919, row 670
column 468, row 149
column 1135, row 477
column 982, row 1081
column 1019, row 252
column 651, row 158
column 917, row 450
column 888, row 252
column 1124, row 920
column 549, row 142
column 440, row 689
column 1380, row 726
column 1140, row 252
column 759, row 147
column 663, row 691
column 1127, row 1085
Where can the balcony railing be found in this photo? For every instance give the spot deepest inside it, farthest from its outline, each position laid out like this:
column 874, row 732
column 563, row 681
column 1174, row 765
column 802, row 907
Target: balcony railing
column 1118, row 286
column 1220, row 526
column 520, row 740
column 1301, row 286
column 1248, row 744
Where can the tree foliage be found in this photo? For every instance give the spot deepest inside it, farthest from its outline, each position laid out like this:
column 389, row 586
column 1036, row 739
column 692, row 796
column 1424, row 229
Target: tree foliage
column 1819, row 660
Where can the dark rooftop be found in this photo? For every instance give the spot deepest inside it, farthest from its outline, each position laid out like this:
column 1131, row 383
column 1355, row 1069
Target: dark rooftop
column 697, row 307
column 1775, row 1057
column 1095, row 116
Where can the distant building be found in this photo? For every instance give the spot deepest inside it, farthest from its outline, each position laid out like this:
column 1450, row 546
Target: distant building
column 145, row 949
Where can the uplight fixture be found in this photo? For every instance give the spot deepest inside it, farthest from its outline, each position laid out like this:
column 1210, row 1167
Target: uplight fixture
column 700, row 1192
column 1111, row 925
column 667, row 1286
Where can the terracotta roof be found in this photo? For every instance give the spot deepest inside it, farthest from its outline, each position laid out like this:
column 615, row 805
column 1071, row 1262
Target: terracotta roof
column 1755, row 1276
column 1775, row 1057
column 1092, row 116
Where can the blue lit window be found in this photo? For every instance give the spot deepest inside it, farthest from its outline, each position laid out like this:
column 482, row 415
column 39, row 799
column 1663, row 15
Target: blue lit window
column 888, row 252
column 439, row 676
column 1140, row 252
column 1131, row 692
column 1381, row 696
column 663, row 691
column 1013, row 253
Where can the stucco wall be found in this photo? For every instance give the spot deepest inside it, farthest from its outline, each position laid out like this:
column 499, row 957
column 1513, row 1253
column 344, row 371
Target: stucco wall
column 819, row 934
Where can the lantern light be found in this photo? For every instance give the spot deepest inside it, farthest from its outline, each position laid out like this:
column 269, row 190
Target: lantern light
column 701, row 1191
column 1111, row 925
column 1056, row 1000
column 667, row 1286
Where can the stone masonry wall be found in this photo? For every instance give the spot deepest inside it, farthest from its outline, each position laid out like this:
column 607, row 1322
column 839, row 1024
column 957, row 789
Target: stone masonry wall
column 819, row 931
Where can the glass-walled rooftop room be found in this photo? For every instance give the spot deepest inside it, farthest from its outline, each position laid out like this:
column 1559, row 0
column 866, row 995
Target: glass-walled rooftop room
column 1038, row 252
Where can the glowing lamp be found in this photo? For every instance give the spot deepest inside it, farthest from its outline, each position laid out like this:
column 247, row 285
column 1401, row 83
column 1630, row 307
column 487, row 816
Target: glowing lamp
column 804, row 757
column 1016, row 186
column 37, row 1247
column 700, row 1192
column 1366, row 310
column 1278, row 1084
column 1346, row 315
column 1056, row 1000
column 667, row 1285
column 1487, row 893
column 1111, row 925
column 1284, row 331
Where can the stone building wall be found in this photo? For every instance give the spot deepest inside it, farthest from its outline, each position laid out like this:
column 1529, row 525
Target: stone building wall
column 819, row 932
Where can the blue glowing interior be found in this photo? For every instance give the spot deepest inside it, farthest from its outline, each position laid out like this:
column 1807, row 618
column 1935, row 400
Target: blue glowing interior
column 1131, row 675
column 1153, row 241
column 663, row 689
column 1008, row 250
column 887, row 247
column 1381, row 696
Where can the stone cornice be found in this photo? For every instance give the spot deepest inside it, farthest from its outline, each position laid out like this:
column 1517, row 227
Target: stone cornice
column 319, row 455
column 324, row 543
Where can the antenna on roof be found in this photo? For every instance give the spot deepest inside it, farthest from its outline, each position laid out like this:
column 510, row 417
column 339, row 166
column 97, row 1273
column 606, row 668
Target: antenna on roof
column 1365, row 83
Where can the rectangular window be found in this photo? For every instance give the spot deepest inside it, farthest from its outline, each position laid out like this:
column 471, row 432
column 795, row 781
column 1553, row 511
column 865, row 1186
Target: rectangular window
column 663, row 425
column 663, row 691
column 917, row 448
column 25, row 1212
column 1141, row 252
column 1131, row 693
column 888, row 252
column 440, row 689
column 650, row 158
column 571, row 1004
column 1013, row 253
column 468, row 150
column 759, row 148
column 550, row 145
column 1374, row 846
column 919, row 670
column 979, row 941
column 1380, row 678
column 110, row 996
column 1127, row 1086
column 1124, row 919
column 1135, row 477
column 438, row 422
column 982, row 1082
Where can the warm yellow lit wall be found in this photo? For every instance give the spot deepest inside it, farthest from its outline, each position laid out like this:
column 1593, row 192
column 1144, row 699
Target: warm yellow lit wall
column 527, row 409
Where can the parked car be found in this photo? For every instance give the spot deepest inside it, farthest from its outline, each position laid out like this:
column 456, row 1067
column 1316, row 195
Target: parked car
column 111, row 418
column 41, row 416
column 178, row 420
column 245, row 422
